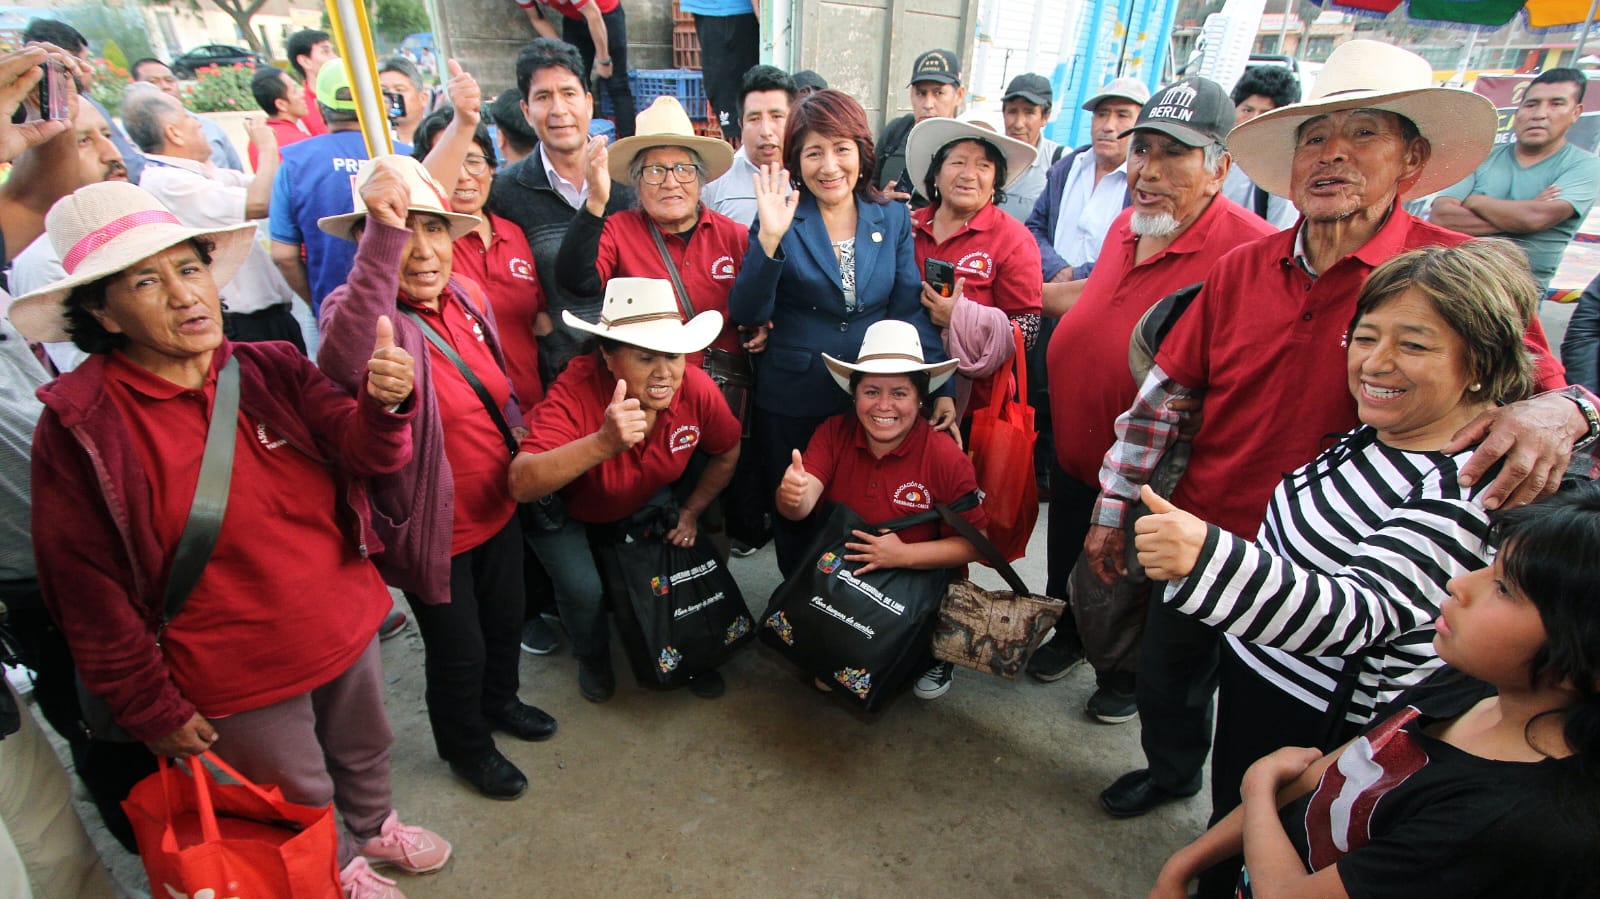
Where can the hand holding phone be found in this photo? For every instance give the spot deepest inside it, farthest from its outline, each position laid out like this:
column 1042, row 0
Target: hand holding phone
column 940, row 275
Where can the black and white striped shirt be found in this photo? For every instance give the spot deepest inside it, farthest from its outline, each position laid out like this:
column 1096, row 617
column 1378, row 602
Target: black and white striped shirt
column 1354, row 555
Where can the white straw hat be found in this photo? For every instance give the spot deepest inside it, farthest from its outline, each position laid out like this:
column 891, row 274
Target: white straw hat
column 101, row 229
column 665, row 124
column 643, row 312
column 1365, row 74
column 426, row 196
column 890, row 347
column 929, row 135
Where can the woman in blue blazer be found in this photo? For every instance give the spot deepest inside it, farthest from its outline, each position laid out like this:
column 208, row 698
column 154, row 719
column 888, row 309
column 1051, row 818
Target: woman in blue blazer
column 830, row 258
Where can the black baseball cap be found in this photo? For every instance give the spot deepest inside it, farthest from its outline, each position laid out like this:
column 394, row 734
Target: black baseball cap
column 942, row 66
column 1195, row 110
column 1033, row 88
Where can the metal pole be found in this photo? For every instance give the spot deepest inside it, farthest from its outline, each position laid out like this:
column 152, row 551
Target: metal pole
column 354, row 40
column 441, row 41
column 1583, row 36
column 1283, row 29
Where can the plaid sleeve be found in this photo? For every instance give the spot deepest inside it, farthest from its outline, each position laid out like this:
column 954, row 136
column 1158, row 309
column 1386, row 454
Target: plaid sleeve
column 1144, row 433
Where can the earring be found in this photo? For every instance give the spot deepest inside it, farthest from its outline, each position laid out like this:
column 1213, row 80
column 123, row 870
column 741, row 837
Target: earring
column 1475, row 387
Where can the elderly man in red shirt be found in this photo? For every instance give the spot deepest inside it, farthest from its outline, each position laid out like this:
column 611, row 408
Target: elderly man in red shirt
column 1178, row 225
column 1263, row 343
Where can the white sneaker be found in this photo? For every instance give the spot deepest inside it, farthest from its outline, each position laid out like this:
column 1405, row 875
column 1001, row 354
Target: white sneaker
column 935, row 682
column 359, row 881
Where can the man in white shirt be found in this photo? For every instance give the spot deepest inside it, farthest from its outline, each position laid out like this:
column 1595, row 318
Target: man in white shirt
column 178, row 171
column 764, row 98
column 154, row 71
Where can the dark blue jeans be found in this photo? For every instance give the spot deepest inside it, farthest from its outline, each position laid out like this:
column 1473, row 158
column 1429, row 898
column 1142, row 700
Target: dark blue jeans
column 576, row 33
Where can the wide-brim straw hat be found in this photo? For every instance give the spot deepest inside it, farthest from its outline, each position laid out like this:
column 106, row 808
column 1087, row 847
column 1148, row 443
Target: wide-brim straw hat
column 890, row 347
column 1363, row 74
column 928, row 135
column 104, row 228
column 643, row 312
column 426, row 196
column 665, row 124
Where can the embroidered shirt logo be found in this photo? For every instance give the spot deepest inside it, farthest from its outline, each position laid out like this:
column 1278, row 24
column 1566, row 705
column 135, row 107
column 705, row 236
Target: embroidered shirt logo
column 684, row 437
column 978, row 262
column 722, row 269
column 521, row 268
column 912, row 495
column 267, row 440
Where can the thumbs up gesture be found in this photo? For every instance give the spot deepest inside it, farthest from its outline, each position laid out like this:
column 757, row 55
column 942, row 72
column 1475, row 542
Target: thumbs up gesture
column 799, row 489
column 390, row 370
column 1169, row 539
column 625, row 424
column 464, row 93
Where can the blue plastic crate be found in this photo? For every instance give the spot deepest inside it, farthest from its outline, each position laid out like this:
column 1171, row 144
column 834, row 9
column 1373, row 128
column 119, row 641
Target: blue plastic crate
column 687, row 85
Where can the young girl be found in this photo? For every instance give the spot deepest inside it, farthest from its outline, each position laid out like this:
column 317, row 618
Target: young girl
column 1480, row 785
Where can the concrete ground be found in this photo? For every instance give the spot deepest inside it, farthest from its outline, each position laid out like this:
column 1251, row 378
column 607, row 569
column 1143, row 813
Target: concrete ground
column 778, row 790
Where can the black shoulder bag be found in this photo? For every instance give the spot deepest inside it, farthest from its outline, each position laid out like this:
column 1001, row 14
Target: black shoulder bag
column 199, row 536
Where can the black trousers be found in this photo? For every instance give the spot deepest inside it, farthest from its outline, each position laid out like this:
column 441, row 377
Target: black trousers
column 472, row 644
column 729, row 46
column 775, row 436
column 576, row 33
column 272, row 323
column 1177, row 677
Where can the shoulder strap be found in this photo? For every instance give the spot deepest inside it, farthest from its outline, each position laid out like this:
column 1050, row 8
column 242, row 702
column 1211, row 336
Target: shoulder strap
column 685, row 306
column 1056, row 156
column 443, row 346
column 961, row 504
column 975, row 537
column 210, row 495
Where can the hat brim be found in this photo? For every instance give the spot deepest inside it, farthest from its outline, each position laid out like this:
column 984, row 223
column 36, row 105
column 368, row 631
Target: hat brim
column 1097, row 99
column 938, row 372
column 936, row 77
column 715, row 154
column 1185, row 135
column 930, row 134
column 40, row 315
column 343, row 226
column 1458, row 124
column 662, row 336
column 1030, row 96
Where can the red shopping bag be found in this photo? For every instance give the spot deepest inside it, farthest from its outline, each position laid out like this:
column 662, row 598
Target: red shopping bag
column 232, row 841
column 1002, row 453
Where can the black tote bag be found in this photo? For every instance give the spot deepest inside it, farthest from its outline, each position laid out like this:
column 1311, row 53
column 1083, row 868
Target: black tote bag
column 682, row 613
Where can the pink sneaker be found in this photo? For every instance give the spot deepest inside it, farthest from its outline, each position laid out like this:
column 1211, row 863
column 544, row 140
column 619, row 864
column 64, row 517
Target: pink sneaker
column 359, row 881
column 414, row 850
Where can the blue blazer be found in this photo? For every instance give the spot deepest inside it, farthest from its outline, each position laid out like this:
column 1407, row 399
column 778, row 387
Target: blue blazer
column 801, row 294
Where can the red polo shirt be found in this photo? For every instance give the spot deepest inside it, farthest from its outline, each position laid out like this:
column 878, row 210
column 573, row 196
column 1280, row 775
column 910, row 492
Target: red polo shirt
column 926, row 468
column 285, row 603
column 998, row 257
column 504, row 269
column 473, row 446
column 569, row 8
column 707, row 262
column 286, row 132
column 575, row 407
column 1265, row 341
column 1087, row 359
column 313, row 120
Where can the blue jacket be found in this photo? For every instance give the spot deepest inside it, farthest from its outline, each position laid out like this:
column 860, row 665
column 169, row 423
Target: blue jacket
column 1047, row 213
column 1580, row 348
column 800, row 293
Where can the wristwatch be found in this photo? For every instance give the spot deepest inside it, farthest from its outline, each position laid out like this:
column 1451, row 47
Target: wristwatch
column 1590, row 415
column 602, row 62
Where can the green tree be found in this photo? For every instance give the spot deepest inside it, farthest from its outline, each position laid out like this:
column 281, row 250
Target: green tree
column 241, row 11
column 399, row 18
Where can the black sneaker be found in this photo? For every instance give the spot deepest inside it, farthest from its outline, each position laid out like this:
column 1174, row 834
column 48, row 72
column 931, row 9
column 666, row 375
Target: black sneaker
column 596, row 681
column 1109, row 705
column 1055, row 660
column 538, row 637
column 708, row 685
column 935, row 682
column 492, row 775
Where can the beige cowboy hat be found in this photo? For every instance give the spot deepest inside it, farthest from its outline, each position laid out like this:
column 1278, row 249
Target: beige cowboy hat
column 930, row 134
column 665, row 124
column 643, row 312
column 426, row 196
column 101, row 229
column 1374, row 75
column 890, row 347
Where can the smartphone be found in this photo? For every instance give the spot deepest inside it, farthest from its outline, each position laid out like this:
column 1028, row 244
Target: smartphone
column 54, row 92
column 396, row 105
column 940, row 275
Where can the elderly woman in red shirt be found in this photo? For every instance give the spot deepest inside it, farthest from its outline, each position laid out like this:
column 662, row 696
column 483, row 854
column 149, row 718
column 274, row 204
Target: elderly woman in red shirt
column 616, row 432
column 271, row 663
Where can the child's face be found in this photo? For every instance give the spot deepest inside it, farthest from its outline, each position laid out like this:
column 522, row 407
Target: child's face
column 1488, row 628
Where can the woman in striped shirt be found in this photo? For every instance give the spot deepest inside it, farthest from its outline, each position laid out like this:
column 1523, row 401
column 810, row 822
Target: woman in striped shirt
column 1329, row 614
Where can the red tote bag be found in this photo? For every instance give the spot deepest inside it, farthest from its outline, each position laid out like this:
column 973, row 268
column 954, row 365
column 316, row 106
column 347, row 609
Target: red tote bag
column 198, row 837
column 1002, row 453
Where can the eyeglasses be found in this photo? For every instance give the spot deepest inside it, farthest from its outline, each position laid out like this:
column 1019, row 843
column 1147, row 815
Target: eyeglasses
column 475, row 164
column 683, row 173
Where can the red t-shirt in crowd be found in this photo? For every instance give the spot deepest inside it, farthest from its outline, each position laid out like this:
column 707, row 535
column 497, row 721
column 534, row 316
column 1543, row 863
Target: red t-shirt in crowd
column 313, row 120
column 575, row 407
column 473, row 446
column 569, row 8
column 1265, row 341
column 505, row 271
column 999, row 259
column 285, row 604
column 286, row 132
column 1087, row 360
column 707, row 262
column 926, row 468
